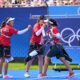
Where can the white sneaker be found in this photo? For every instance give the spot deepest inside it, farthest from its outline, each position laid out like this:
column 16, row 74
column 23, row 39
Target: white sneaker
column 7, row 76
column 39, row 75
column 1, row 75
column 26, row 75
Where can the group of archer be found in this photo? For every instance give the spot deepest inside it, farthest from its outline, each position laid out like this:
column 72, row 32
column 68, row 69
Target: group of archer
column 36, row 46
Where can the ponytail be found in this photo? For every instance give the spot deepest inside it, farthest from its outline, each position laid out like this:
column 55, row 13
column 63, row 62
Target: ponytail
column 4, row 22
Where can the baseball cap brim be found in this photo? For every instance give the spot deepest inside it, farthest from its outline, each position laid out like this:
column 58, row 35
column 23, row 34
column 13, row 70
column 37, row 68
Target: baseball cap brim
column 10, row 19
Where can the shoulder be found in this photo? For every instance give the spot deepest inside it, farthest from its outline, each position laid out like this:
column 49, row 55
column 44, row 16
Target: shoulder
column 54, row 28
column 36, row 25
column 11, row 28
column 7, row 25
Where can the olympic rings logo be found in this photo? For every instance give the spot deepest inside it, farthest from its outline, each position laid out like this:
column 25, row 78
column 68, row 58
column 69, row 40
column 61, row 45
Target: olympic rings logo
column 71, row 37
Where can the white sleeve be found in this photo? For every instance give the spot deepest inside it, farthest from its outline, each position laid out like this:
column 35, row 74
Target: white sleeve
column 50, row 36
column 58, row 35
column 39, row 31
column 43, row 33
column 22, row 31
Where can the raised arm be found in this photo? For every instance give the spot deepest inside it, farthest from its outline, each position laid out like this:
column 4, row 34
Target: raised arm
column 40, row 31
column 24, row 30
column 55, row 33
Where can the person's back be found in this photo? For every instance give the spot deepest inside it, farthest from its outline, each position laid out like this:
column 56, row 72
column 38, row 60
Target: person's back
column 6, row 32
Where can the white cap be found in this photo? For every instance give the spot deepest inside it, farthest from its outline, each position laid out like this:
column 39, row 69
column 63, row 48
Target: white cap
column 46, row 21
column 10, row 19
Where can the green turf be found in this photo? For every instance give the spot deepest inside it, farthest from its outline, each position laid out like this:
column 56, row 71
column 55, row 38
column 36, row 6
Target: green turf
column 21, row 66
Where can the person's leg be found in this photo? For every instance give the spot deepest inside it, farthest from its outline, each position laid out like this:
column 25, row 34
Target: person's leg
column 1, row 65
column 1, row 59
column 46, row 62
column 7, row 56
column 31, row 48
column 71, row 73
column 66, row 64
column 27, row 68
column 6, row 71
column 5, row 68
column 40, row 63
column 28, row 65
column 6, row 53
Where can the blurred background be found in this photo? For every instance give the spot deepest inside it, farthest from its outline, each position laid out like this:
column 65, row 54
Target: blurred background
column 37, row 3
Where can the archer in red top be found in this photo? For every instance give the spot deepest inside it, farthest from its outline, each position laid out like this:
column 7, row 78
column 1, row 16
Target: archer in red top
column 35, row 44
column 6, row 32
column 56, row 49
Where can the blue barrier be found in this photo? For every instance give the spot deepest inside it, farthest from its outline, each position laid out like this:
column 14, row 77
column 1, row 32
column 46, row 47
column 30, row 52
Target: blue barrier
column 25, row 16
column 64, row 11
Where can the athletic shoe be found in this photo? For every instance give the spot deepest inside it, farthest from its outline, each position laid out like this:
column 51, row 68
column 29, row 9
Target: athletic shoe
column 26, row 75
column 39, row 75
column 70, row 75
column 7, row 76
column 42, row 75
column 1, row 75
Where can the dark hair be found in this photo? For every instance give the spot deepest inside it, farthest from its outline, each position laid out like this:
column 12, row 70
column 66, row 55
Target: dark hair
column 42, row 17
column 53, row 22
column 4, row 22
